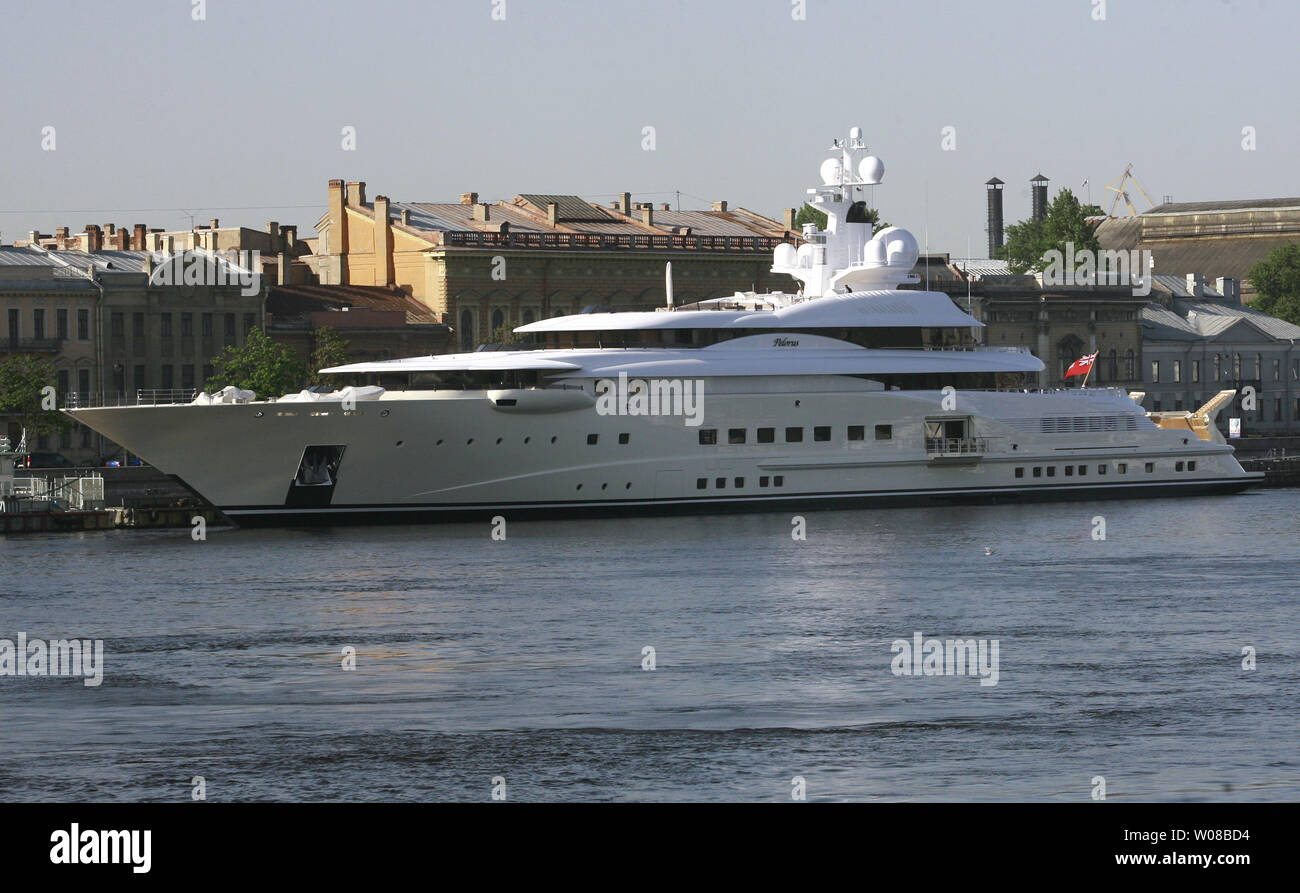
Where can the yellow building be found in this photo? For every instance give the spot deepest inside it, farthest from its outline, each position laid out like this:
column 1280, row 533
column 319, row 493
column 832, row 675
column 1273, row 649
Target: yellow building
column 482, row 266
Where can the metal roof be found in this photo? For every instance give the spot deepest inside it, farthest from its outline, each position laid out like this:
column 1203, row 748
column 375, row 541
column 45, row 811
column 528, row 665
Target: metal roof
column 25, row 257
column 1253, row 204
column 567, row 207
column 1194, row 319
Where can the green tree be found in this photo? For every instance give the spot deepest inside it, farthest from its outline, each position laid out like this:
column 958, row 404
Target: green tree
column 1277, row 283
column 507, row 335
column 1066, row 221
column 23, row 379
column 263, row 366
column 329, row 348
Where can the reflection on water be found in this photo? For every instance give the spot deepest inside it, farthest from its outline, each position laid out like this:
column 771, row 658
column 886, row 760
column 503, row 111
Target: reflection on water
column 523, row 658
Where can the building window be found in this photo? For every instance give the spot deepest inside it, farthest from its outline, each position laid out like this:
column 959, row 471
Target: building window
column 205, row 322
column 38, row 324
column 822, row 433
column 137, row 325
column 63, row 383
column 166, row 321
column 83, row 381
column 187, row 376
column 1218, row 369
column 15, row 325
column 138, row 378
column 1277, row 370
column 168, row 381
column 61, row 324
column 794, row 435
column 708, row 436
column 1129, row 361
column 766, row 435
column 1178, row 370
column 187, row 325
column 83, row 325
column 1236, row 367
column 229, row 325
column 735, row 435
column 884, row 432
column 250, row 320
column 1277, row 409
column 1259, row 366
column 857, row 432
column 1196, row 371
column 1112, row 366
column 207, row 371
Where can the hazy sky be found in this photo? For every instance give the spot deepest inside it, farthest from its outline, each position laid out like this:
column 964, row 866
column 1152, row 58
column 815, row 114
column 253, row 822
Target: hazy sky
column 157, row 116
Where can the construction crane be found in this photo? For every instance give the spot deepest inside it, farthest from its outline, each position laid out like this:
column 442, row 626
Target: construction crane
column 1117, row 187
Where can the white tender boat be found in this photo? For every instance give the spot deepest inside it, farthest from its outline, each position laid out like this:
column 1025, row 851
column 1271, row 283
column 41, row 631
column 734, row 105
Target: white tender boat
column 852, row 392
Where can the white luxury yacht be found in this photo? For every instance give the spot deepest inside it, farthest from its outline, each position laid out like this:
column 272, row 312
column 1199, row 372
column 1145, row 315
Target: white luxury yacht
column 851, row 392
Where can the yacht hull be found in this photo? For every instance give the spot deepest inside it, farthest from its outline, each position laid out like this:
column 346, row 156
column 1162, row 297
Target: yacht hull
column 460, row 456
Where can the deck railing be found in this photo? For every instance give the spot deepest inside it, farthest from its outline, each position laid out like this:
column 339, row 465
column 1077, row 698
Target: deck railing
column 956, row 446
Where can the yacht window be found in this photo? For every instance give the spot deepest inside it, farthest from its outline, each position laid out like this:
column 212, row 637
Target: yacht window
column 1069, row 471
column 740, row 482
column 794, row 435
column 701, row 483
column 1178, row 466
column 592, row 438
column 1101, row 469
column 1122, row 468
column 1020, row 472
column 857, row 432
column 822, row 432
column 778, row 481
column 1191, row 466
column 624, row 437
column 720, row 483
column 884, row 432
column 762, row 481
column 1038, row 471
column 766, row 435
column 709, row 436
column 1151, row 466
column 1051, row 471
column 1083, row 469
column 736, row 435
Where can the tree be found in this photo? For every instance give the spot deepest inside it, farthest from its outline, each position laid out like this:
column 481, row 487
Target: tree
column 1277, row 283
column 23, row 395
column 263, row 366
column 507, row 335
column 1029, row 240
column 329, row 349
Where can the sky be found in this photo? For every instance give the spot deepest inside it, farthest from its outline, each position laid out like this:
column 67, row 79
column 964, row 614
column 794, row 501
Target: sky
column 167, row 111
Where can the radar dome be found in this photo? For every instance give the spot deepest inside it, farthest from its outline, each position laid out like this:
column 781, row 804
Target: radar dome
column 832, row 171
column 875, row 253
column 784, row 256
column 805, row 255
column 900, row 245
column 855, row 133
column 871, row 169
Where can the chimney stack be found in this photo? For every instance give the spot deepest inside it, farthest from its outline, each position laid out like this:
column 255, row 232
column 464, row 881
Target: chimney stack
column 137, row 237
column 482, row 213
column 552, row 213
column 283, row 267
column 1039, row 187
column 787, row 218
column 994, row 227
column 1230, row 288
column 664, row 206
column 61, row 237
column 1196, row 285
column 357, row 193
column 338, row 234
column 273, row 232
column 383, row 242
column 625, row 203
column 406, row 217
column 469, row 198
column 288, row 238
column 719, row 206
column 214, row 223
column 647, row 214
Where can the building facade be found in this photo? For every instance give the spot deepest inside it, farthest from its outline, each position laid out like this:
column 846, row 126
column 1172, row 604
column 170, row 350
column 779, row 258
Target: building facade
column 482, row 267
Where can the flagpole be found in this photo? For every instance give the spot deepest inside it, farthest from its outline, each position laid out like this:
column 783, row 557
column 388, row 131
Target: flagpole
column 1089, row 372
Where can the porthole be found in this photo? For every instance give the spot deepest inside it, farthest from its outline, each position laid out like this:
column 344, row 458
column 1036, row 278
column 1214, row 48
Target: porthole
column 439, row 443
column 527, row 439
column 258, row 414
column 552, row 440
column 499, row 439
column 627, row 486
column 604, row 486
column 400, row 442
column 580, row 486
column 468, row 442
column 383, row 414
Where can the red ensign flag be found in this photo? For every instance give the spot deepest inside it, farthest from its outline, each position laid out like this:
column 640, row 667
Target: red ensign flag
column 1081, row 365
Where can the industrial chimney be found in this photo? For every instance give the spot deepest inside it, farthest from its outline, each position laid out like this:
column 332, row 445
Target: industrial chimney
column 995, row 215
column 1039, row 185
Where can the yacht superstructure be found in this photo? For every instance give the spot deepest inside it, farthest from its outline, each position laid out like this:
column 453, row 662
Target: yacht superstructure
column 850, row 392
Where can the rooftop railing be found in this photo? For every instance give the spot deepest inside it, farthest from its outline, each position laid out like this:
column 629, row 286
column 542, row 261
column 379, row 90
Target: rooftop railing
column 625, row 241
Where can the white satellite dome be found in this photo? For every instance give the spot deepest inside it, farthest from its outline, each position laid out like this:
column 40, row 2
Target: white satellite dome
column 875, row 253
column 901, row 246
column 855, row 133
column 832, row 171
column 871, row 169
column 784, row 256
column 805, row 255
